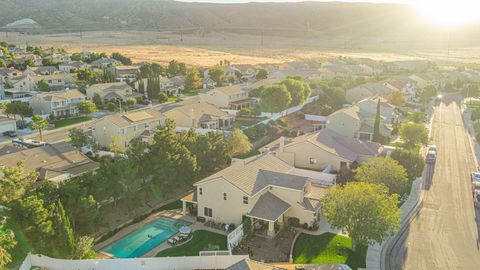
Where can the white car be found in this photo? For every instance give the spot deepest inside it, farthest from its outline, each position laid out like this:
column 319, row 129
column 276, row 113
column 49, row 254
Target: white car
column 475, row 177
column 431, row 157
column 432, row 147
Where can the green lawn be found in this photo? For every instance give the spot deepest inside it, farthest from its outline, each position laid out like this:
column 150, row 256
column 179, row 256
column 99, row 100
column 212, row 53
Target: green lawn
column 201, row 241
column 19, row 252
column 190, row 93
column 244, row 122
column 170, row 206
column 71, row 121
column 328, row 248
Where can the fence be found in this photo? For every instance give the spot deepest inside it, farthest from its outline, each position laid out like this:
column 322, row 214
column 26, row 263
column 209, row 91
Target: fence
column 201, row 131
column 275, row 116
column 164, row 263
column 234, row 238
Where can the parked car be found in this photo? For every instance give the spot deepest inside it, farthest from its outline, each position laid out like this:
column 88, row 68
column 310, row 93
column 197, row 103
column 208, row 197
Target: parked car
column 475, row 176
column 10, row 133
column 26, row 143
column 432, row 147
column 476, row 197
column 431, row 157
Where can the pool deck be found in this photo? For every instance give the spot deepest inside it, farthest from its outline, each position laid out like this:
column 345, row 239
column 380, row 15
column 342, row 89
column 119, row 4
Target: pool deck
column 173, row 214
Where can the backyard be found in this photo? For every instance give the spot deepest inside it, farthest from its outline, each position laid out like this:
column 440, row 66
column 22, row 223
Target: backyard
column 71, row 121
column 201, row 241
column 328, row 248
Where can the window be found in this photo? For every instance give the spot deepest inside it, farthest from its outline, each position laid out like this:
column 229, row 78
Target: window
column 135, row 128
column 245, row 200
column 200, row 191
column 224, row 196
column 313, row 161
column 124, row 131
column 207, row 212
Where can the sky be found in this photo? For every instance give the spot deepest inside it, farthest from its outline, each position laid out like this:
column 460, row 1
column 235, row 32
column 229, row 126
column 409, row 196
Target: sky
column 278, row 1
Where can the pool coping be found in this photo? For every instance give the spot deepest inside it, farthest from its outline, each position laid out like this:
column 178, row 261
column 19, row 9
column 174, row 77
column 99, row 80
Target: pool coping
column 171, row 214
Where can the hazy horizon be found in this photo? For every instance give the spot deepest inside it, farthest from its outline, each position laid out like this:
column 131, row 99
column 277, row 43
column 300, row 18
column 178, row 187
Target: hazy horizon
column 294, row 1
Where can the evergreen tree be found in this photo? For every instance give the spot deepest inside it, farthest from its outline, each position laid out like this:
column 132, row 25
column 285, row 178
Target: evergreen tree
column 141, row 87
column 64, row 232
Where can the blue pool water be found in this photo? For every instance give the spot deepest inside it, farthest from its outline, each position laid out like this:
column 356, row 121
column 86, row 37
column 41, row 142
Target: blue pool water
column 144, row 239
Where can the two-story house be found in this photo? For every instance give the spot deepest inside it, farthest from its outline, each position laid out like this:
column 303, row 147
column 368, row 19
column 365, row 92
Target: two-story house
column 122, row 128
column 72, row 66
column 59, row 104
column 367, row 90
column 263, row 188
column 233, row 97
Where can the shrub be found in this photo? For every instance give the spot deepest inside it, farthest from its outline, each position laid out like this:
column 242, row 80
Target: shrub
column 294, row 222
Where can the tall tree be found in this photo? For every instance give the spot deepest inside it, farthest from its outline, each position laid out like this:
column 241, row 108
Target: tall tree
column 80, row 206
column 173, row 68
column 216, row 73
column 366, row 211
column 123, row 59
column 97, row 100
column 383, row 170
column 238, row 142
column 86, row 107
column 411, row 160
column 275, row 98
column 43, row 86
column 14, row 182
column 141, row 87
column 64, row 237
column 413, row 134
column 397, row 98
column 84, row 248
column 299, row 90
column 417, row 117
column 38, row 123
column 193, row 80
column 261, row 74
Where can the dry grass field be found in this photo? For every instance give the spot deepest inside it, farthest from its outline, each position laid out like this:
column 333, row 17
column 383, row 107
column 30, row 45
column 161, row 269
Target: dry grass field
column 209, row 49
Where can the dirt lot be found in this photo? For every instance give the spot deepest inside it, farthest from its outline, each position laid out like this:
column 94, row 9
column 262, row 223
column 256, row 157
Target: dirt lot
column 209, row 49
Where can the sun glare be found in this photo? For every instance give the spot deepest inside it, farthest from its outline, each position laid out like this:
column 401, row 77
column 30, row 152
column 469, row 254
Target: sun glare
column 450, row 13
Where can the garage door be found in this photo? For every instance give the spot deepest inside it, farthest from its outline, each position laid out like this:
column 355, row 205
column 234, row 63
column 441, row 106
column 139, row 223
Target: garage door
column 7, row 127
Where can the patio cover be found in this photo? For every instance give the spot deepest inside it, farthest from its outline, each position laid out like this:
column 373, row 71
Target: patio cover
column 269, row 207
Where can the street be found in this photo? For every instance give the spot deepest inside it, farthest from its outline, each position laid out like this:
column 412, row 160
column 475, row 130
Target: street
column 443, row 234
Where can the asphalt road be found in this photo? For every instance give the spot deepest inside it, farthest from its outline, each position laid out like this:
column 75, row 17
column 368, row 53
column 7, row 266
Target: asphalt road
column 444, row 233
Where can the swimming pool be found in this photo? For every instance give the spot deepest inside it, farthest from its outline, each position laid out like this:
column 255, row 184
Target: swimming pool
column 144, row 239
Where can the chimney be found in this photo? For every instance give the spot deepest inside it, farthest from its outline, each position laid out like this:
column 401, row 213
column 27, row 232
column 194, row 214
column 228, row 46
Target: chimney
column 282, row 144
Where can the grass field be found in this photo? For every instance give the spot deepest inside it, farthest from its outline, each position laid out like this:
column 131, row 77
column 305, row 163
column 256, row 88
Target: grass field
column 328, row 248
column 71, row 121
column 201, row 241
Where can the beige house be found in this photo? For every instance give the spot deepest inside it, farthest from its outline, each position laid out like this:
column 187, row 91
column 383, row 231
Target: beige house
column 53, row 162
column 57, row 104
column 7, row 124
column 322, row 150
column 233, row 97
column 263, row 188
column 111, row 91
column 56, row 80
column 367, row 90
column 122, row 128
column 353, row 122
column 195, row 113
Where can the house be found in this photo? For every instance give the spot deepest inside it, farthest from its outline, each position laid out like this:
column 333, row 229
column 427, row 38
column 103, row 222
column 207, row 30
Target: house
column 332, row 72
column 7, row 124
column 248, row 71
column 264, row 82
column 6, row 74
column 52, row 162
column 403, row 85
column 366, row 90
column 195, row 113
column 105, row 62
column 409, row 65
column 111, row 91
column 72, row 66
column 208, row 83
column 387, row 110
column 122, row 128
column 294, row 65
column 42, row 70
column 230, row 73
column 263, row 188
column 55, row 81
column 306, row 74
column 324, row 150
column 353, row 122
column 233, row 97
column 125, row 73
column 22, row 83
column 170, row 86
column 57, row 104
column 58, row 58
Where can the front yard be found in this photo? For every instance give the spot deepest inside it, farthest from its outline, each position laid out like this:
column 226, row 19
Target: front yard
column 71, row 121
column 328, row 248
column 201, row 241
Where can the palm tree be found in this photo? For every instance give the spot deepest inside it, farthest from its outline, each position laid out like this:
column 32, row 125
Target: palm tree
column 39, row 123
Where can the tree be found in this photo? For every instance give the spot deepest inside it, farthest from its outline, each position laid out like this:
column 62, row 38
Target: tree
column 114, row 146
column 64, row 237
column 43, row 86
column 87, row 75
column 80, row 206
column 216, row 73
column 376, row 125
column 15, row 181
column 19, row 108
column 411, row 160
column 84, row 248
column 413, row 134
column 79, row 139
column 238, row 142
column 427, row 93
column 299, row 90
column 39, row 124
column 131, row 103
column 162, row 97
column 261, row 74
column 86, row 107
column 383, row 170
column 7, row 242
column 417, row 117
column 333, row 96
column 366, row 211
column 173, row 68
column 97, row 100
column 397, row 98
column 123, row 59
column 470, row 90
column 275, row 98
column 141, row 87
column 193, row 80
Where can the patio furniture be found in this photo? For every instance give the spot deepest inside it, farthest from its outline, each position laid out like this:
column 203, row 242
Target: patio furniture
column 185, row 230
column 172, row 241
column 184, row 236
column 177, row 239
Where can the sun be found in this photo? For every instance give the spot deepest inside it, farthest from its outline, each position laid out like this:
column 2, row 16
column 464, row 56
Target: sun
column 449, row 13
